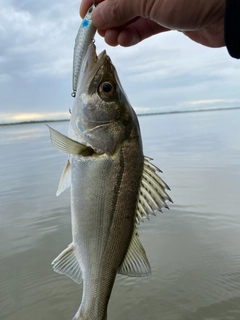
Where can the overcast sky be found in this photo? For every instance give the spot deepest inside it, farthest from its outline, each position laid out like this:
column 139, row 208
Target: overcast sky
column 165, row 72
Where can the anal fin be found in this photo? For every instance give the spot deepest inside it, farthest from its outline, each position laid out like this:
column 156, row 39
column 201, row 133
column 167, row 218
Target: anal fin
column 66, row 263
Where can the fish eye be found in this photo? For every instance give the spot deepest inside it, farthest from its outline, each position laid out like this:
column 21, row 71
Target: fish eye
column 107, row 87
column 107, row 90
column 90, row 10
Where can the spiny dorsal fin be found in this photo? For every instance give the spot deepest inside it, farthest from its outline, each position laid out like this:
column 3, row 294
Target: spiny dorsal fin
column 67, row 145
column 65, row 180
column 66, row 263
column 135, row 263
column 152, row 195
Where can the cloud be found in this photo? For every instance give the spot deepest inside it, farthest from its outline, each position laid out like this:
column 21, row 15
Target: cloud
column 37, row 37
column 165, row 71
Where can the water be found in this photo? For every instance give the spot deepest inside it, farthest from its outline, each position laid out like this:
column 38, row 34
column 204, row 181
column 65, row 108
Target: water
column 194, row 249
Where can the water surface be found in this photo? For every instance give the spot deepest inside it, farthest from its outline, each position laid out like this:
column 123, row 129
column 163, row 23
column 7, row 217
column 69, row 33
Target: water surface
column 194, row 249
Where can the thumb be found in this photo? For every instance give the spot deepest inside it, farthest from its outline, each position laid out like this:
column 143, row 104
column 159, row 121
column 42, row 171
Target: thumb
column 114, row 13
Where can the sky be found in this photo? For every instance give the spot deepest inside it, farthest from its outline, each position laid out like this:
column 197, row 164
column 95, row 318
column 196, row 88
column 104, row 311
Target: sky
column 166, row 72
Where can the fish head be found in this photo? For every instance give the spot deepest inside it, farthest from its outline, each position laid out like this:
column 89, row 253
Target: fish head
column 102, row 116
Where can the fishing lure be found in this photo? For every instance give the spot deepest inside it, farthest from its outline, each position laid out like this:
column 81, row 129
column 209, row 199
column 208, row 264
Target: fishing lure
column 84, row 36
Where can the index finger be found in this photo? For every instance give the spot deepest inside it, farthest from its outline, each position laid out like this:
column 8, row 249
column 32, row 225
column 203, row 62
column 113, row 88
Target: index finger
column 85, row 5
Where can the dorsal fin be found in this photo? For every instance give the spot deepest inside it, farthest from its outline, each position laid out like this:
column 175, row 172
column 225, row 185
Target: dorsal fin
column 135, row 263
column 152, row 195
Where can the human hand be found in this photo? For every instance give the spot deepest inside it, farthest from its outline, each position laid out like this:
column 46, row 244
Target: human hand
column 127, row 22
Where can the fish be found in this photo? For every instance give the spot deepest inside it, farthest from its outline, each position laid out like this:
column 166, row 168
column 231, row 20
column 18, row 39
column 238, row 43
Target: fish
column 85, row 35
column 113, row 186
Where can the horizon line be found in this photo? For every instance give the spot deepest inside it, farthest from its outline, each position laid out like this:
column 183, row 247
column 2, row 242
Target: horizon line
column 139, row 115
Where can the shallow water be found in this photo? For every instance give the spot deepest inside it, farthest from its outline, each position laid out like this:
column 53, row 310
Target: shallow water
column 194, row 249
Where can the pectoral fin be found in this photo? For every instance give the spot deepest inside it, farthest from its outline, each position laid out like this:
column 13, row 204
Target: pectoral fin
column 65, row 180
column 67, row 145
column 66, row 263
column 135, row 263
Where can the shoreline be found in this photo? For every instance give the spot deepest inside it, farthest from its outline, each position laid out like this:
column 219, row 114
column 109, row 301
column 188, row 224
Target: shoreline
column 139, row 115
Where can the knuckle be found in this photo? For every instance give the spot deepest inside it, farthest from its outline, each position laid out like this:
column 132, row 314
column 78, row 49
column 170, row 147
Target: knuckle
column 116, row 13
column 146, row 8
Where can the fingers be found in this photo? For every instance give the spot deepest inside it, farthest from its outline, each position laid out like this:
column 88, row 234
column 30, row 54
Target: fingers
column 131, row 34
column 114, row 13
column 138, row 31
column 111, row 36
column 85, row 5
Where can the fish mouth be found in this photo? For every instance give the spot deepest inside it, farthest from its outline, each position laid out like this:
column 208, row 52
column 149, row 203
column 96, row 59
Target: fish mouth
column 90, row 65
column 94, row 61
column 100, row 60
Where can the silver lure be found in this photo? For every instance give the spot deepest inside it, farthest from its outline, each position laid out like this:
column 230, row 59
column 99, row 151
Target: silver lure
column 85, row 35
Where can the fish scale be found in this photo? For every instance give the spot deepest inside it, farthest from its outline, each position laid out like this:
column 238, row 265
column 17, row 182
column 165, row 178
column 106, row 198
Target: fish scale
column 96, row 257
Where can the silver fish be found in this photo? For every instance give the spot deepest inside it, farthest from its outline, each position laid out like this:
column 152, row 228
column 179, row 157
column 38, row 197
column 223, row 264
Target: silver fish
column 85, row 35
column 113, row 187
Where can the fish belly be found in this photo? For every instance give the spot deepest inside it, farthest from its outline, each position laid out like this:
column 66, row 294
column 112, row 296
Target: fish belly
column 103, row 201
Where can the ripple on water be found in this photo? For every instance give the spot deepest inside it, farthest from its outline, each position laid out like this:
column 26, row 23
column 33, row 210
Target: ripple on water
column 193, row 249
